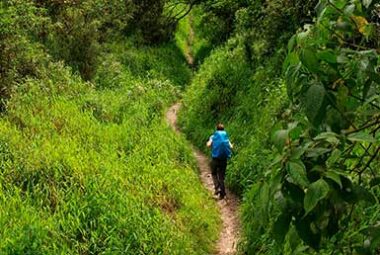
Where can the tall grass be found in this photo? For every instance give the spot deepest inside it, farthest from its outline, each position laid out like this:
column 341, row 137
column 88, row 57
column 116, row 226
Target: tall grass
column 92, row 168
column 247, row 97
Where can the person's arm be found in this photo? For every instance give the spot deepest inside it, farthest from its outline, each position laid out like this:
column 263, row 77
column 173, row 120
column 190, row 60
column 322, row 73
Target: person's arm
column 209, row 142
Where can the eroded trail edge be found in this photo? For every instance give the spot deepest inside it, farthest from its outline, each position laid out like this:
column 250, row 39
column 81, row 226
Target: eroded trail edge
column 228, row 239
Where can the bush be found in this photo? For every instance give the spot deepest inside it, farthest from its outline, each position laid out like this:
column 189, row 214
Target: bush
column 93, row 168
column 75, row 40
column 20, row 55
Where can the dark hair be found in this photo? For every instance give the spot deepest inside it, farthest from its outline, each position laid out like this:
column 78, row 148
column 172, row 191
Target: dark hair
column 220, row 126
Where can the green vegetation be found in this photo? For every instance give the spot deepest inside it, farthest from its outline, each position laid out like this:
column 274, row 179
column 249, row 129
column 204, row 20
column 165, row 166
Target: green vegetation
column 297, row 85
column 190, row 39
column 91, row 167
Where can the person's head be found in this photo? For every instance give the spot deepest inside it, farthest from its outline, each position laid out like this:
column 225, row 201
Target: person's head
column 220, row 127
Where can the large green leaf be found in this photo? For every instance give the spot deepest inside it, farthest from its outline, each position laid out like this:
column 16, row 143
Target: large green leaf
column 328, row 56
column 316, row 192
column 332, row 175
column 330, row 137
column 335, row 156
column 310, row 60
column 279, row 138
column 361, row 137
column 306, row 233
column 316, row 152
column 292, row 42
column 294, row 79
column 297, row 153
column 294, row 192
column 297, row 172
column 281, row 226
column 314, row 103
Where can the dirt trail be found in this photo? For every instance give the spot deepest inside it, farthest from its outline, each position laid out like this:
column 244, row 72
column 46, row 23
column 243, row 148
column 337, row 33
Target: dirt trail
column 189, row 42
column 228, row 207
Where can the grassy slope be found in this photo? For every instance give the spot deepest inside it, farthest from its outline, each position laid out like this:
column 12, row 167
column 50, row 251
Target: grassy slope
column 95, row 169
column 246, row 97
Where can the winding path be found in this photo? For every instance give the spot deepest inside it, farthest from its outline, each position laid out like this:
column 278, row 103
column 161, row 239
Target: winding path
column 228, row 207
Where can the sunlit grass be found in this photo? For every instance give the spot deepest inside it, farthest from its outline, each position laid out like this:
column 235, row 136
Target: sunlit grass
column 94, row 168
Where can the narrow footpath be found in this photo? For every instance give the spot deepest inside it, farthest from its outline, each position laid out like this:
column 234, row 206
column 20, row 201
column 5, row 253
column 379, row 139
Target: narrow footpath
column 228, row 207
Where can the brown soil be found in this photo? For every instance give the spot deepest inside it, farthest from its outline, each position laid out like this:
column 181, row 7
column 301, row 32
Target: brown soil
column 228, row 207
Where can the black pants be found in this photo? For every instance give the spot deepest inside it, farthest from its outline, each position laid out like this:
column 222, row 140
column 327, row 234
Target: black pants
column 218, row 172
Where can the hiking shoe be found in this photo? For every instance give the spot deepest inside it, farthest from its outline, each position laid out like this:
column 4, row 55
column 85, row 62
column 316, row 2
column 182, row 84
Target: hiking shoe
column 221, row 196
column 216, row 192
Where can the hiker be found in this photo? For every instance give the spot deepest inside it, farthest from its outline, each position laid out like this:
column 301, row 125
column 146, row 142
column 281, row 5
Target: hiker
column 220, row 153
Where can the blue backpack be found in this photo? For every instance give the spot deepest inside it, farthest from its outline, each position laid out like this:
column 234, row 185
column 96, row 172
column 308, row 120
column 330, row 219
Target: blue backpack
column 221, row 145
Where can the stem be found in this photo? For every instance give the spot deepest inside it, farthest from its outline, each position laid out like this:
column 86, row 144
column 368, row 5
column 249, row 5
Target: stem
column 370, row 161
column 349, row 149
column 364, row 127
column 362, row 157
column 373, row 132
column 362, row 100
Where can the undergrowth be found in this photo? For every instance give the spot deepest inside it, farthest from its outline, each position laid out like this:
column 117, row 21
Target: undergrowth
column 92, row 168
column 296, row 86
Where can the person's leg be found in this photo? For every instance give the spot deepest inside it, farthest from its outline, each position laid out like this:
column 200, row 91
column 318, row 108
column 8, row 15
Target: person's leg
column 221, row 177
column 214, row 174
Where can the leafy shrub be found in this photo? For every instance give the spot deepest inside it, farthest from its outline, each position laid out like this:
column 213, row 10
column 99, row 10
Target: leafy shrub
column 327, row 160
column 75, row 40
column 149, row 18
column 20, row 55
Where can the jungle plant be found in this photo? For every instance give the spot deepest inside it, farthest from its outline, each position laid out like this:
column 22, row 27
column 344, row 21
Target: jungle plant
column 328, row 164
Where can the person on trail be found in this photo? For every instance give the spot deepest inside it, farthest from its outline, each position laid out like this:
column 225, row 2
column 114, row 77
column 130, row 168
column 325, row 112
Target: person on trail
column 220, row 152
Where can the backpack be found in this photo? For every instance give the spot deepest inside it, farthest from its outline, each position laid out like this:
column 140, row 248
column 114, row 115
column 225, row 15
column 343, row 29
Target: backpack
column 221, row 145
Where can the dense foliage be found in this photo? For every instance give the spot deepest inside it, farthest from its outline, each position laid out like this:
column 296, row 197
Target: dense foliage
column 307, row 134
column 90, row 167
column 331, row 72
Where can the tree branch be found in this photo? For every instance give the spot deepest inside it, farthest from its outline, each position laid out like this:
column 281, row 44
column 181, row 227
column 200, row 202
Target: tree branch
column 376, row 122
column 370, row 161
